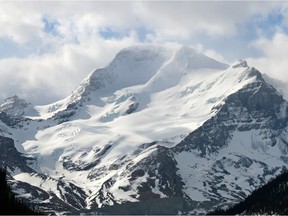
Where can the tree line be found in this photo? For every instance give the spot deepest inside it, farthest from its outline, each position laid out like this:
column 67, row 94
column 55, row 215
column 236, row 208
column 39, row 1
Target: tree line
column 271, row 198
column 9, row 204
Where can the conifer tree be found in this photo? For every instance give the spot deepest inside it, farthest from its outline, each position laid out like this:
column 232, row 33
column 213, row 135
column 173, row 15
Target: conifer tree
column 9, row 204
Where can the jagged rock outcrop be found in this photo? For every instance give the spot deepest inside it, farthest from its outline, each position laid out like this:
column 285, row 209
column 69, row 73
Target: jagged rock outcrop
column 164, row 125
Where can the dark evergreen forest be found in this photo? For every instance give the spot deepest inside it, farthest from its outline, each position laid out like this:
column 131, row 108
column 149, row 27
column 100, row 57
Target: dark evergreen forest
column 271, row 198
column 9, row 204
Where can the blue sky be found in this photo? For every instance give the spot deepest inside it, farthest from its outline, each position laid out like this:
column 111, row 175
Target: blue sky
column 43, row 43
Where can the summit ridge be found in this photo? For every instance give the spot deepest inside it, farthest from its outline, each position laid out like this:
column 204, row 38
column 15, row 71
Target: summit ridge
column 165, row 124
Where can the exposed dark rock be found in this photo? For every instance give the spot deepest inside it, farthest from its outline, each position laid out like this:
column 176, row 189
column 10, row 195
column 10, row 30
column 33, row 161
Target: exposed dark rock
column 132, row 108
column 65, row 115
column 11, row 158
column 256, row 106
column 12, row 121
column 160, row 165
column 269, row 199
column 105, row 198
column 72, row 194
column 137, row 173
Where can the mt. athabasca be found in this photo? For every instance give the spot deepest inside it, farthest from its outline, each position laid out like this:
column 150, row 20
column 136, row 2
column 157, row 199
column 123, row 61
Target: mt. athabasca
column 159, row 130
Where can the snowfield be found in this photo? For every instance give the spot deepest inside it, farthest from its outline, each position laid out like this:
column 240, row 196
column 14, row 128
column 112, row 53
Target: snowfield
column 96, row 137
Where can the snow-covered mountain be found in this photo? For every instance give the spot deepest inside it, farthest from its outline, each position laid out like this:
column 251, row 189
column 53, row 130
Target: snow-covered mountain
column 165, row 124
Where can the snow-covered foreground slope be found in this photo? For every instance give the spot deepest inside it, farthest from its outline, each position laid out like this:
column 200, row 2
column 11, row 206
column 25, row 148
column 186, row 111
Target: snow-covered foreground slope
column 155, row 123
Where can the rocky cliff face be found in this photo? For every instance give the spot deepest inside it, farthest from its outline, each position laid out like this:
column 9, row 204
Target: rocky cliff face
column 244, row 144
column 170, row 126
column 257, row 106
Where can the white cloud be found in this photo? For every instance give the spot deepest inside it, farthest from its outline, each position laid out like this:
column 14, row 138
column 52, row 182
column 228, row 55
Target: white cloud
column 64, row 57
column 214, row 18
column 209, row 52
column 46, row 78
column 23, row 20
column 274, row 61
column 18, row 24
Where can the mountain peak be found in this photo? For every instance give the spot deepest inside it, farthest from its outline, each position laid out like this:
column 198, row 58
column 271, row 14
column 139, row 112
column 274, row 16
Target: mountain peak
column 188, row 50
column 141, row 50
column 197, row 60
column 132, row 66
column 240, row 63
column 14, row 106
column 138, row 129
column 12, row 102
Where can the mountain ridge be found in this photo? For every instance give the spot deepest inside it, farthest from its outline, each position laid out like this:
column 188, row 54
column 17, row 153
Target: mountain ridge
column 185, row 122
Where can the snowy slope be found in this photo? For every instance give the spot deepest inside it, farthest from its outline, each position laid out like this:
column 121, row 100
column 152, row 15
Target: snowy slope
column 157, row 122
column 17, row 107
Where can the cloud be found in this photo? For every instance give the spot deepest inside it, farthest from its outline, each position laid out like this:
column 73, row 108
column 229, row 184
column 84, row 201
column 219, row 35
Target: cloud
column 19, row 24
column 49, row 77
column 61, row 42
column 164, row 19
column 274, row 60
column 67, row 43
column 186, row 19
column 209, row 52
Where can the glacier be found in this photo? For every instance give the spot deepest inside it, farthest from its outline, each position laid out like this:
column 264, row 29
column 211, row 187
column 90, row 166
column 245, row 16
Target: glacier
column 167, row 124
